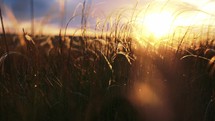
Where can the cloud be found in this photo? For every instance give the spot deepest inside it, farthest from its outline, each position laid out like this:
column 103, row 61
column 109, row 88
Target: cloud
column 22, row 8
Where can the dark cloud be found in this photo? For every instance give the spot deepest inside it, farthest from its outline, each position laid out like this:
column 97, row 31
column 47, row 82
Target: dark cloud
column 22, row 8
column 50, row 10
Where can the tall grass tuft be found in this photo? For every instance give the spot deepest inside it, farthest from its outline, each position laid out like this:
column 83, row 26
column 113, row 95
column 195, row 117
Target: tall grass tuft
column 4, row 34
column 32, row 17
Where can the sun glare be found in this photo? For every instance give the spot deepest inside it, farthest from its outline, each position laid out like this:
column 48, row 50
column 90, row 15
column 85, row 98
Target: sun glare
column 158, row 20
column 158, row 24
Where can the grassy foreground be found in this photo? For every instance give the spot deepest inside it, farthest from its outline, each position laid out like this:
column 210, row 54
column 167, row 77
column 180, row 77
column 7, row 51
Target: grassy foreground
column 77, row 78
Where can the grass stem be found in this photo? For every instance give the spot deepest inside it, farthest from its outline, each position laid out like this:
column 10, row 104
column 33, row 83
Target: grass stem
column 4, row 34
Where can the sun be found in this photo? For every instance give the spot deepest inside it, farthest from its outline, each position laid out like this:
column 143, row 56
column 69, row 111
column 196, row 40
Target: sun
column 158, row 24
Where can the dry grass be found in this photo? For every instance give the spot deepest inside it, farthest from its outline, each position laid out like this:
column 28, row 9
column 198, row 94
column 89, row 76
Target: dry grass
column 81, row 78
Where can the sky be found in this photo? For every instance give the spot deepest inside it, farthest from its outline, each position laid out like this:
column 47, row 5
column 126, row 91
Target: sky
column 21, row 8
column 48, row 13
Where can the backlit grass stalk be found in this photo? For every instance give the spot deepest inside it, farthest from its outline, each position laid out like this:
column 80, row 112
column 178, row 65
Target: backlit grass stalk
column 32, row 17
column 133, row 17
column 98, row 22
column 4, row 34
column 182, row 40
column 67, row 24
column 66, row 27
column 108, row 18
column 83, row 19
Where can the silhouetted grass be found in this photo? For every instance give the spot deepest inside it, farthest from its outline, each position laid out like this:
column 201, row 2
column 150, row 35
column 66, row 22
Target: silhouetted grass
column 92, row 78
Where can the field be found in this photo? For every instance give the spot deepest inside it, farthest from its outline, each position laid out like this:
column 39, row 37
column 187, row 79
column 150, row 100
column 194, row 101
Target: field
column 107, row 76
